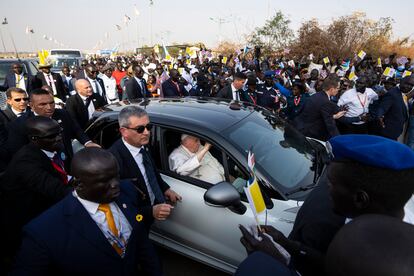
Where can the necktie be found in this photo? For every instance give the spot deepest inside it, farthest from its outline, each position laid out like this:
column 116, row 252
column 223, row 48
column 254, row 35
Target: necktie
column 57, row 163
column 152, row 179
column 111, row 225
column 18, row 81
column 237, row 95
column 88, row 101
column 144, row 89
column 96, row 86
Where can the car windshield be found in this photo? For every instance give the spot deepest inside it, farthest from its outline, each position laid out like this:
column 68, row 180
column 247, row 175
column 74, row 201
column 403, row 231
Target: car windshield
column 60, row 62
column 5, row 68
column 282, row 154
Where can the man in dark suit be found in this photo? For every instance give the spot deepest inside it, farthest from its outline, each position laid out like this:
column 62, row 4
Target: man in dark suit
column 17, row 100
column 234, row 91
column 54, row 80
column 392, row 111
column 68, row 79
column 83, row 104
column 317, row 118
column 97, row 84
column 42, row 104
column 172, row 87
column 96, row 230
column 136, row 163
column 136, row 87
column 17, row 78
column 34, row 179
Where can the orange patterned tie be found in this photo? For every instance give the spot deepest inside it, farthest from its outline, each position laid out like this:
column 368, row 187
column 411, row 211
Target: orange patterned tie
column 111, row 224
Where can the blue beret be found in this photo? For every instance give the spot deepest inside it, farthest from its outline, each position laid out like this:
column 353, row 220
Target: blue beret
column 372, row 150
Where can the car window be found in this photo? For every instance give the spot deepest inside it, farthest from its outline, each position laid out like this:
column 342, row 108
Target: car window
column 235, row 174
column 108, row 135
column 5, row 68
column 184, row 152
column 32, row 67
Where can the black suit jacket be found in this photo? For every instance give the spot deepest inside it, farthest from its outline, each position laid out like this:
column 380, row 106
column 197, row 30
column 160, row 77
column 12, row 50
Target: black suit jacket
column 394, row 111
column 128, row 169
column 65, row 240
column 316, row 118
column 133, row 90
column 7, row 116
column 169, row 89
column 17, row 134
column 60, row 87
column 29, row 186
column 10, row 81
column 78, row 111
column 225, row 93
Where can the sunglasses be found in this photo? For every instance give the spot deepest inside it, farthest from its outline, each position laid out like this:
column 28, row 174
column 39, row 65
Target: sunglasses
column 19, row 99
column 141, row 129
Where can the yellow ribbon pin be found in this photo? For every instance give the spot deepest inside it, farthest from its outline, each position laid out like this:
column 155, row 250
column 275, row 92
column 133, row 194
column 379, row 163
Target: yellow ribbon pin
column 139, row 217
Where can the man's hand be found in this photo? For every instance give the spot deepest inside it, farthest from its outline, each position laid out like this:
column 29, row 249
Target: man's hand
column 161, row 211
column 172, row 196
column 92, row 145
column 339, row 114
column 265, row 245
column 275, row 234
column 381, row 121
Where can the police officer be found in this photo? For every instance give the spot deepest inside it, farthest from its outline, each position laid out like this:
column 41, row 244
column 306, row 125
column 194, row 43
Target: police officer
column 268, row 97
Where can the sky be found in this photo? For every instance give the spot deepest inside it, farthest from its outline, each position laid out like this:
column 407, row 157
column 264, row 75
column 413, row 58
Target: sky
column 91, row 24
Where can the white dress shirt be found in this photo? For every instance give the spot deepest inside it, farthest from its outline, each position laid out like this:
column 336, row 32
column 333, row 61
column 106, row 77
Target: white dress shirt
column 358, row 103
column 95, row 85
column 110, row 89
column 51, row 82
column 90, row 107
column 17, row 113
column 121, row 222
column 20, row 83
column 140, row 85
column 184, row 162
column 136, row 154
column 236, row 96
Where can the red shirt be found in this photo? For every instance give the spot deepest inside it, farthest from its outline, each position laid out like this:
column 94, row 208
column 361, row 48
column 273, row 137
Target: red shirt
column 118, row 75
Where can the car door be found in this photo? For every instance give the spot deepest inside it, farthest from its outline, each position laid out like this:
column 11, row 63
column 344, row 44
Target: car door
column 208, row 233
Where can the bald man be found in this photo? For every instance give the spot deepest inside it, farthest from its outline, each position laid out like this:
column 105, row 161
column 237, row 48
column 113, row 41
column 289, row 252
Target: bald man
column 83, row 104
column 34, row 180
column 96, row 230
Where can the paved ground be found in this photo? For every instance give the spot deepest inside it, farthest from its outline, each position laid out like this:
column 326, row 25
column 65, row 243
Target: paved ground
column 177, row 265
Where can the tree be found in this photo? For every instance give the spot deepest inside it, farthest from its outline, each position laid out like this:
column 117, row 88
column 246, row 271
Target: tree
column 274, row 35
column 344, row 37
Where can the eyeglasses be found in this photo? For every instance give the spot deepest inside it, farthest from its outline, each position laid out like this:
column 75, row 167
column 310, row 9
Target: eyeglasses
column 141, row 129
column 19, row 99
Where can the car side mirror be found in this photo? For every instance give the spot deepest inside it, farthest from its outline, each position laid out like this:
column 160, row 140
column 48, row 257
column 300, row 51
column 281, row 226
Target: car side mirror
column 223, row 194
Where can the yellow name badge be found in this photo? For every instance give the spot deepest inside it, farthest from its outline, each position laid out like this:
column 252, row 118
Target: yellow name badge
column 139, row 217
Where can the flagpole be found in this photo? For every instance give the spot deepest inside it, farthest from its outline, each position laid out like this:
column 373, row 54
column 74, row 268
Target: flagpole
column 2, row 41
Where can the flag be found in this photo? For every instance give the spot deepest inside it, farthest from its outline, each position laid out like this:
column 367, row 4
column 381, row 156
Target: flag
column 251, row 161
column 254, row 196
column 406, row 73
column 352, row 76
column 151, row 2
column 224, row 60
column 389, row 72
column 136, row 11
column 379, row 64
column 326, row 60
column 29, row 30
column 126, row 19
column 345, row 65
column 118, row 27
column 166, row 51
column 361, row 54
column 156, row 49
column 4, row 21
column 246, row 49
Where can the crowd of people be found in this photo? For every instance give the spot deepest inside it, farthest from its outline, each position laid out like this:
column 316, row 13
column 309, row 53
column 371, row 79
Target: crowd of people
column 94, row 208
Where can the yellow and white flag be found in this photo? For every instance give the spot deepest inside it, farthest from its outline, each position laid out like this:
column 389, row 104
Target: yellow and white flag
column 255, row 197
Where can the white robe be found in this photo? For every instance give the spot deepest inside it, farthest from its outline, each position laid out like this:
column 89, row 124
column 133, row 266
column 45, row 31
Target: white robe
column 184, row 162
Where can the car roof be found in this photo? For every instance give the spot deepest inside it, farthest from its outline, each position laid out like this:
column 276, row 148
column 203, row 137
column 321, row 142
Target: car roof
column 213, row 114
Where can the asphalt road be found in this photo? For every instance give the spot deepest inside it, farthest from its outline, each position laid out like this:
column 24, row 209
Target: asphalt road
column 175, row 264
